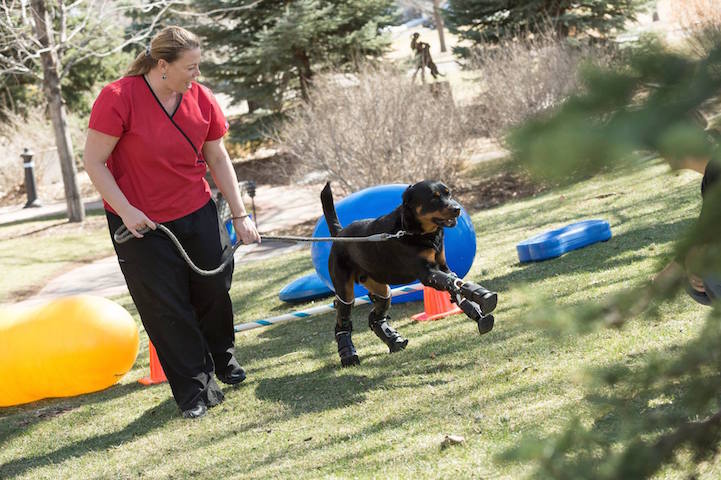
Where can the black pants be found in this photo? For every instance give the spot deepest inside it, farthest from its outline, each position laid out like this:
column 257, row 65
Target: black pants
column 188, row 317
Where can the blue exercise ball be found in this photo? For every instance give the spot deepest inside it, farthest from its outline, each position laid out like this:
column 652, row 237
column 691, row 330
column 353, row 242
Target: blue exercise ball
column 459, row 241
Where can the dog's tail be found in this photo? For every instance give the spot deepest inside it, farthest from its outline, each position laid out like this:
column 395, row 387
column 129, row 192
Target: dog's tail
column 331, row 218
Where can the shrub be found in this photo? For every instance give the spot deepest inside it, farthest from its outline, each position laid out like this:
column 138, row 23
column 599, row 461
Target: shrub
column 376, row 128
column 526, row 76
column 701, row 23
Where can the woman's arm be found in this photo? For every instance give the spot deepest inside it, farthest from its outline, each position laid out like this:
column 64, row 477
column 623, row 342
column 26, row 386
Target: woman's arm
column 216, row 156
column 98, row 148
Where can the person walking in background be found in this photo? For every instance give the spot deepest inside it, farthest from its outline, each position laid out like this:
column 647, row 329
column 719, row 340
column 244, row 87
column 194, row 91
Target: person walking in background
column 151, row 135
column 422, row 51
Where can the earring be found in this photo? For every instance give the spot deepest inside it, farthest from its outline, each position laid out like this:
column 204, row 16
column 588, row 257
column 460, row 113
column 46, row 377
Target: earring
column 164, row 76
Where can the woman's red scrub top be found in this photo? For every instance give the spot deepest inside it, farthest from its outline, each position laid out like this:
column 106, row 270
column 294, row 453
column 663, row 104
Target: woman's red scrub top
column 158, row 161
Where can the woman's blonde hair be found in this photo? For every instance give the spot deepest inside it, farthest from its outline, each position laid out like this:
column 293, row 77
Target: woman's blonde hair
column 167, row 44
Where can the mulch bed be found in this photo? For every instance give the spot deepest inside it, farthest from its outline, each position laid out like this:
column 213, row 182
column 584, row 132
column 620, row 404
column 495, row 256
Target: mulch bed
column 482, row 193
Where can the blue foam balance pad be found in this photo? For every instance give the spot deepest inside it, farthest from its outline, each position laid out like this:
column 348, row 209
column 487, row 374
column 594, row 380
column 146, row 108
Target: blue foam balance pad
column 312, row 287
column 555, row 243
column 305, row 289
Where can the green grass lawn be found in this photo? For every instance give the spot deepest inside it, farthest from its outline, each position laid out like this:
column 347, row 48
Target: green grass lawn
column 298, row 415
column 34, row 251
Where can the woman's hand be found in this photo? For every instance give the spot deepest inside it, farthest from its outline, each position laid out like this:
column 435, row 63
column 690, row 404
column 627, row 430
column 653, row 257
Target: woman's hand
column 245, row 230
column 136, row 220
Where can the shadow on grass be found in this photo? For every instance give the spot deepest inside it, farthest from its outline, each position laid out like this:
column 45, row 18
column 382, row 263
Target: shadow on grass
column 23, row 417
column 150, row 420
column 331, row 386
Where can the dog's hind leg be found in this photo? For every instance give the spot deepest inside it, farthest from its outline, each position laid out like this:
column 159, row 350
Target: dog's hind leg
column 380, row 295
column 343, row 302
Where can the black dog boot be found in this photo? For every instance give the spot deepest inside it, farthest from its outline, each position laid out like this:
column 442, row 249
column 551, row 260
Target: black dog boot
column 346, row 349
column 385, row 332
column 485, row 324
column 485, row 299
column 473, row 311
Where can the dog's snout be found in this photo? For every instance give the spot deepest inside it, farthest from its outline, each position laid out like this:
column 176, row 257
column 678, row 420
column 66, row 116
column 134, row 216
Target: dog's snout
column 455, row 209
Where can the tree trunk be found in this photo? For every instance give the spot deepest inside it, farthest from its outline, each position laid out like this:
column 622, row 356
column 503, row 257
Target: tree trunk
column 53, row 95
column 439, row 24
column 304, row 72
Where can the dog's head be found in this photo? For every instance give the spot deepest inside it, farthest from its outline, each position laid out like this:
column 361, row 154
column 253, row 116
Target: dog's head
column 428, row 206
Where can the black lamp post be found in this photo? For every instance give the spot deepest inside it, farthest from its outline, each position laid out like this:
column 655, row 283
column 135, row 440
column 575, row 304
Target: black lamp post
column 250, row 188
column 28, row 164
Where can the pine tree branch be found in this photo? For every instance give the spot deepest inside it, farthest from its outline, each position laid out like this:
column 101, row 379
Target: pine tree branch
column 215, row 11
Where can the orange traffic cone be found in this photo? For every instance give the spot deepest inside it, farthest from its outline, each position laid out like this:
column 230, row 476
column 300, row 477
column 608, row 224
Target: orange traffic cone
column 436, row 304
column 157, row 375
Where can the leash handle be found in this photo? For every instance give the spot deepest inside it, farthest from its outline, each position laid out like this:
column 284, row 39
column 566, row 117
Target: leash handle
column 122, row 234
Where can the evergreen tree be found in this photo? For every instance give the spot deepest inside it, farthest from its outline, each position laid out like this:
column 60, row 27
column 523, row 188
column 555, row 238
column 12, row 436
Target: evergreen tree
column 666, row 407
column 489, row 20
column 273, row 47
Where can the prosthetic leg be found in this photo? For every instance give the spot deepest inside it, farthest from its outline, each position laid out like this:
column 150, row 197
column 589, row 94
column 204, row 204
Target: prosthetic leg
column 378, row 322
column 343, row 330
column 474, row 300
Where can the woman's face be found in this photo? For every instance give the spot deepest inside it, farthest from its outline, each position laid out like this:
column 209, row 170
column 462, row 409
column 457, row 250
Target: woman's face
column 184, row 70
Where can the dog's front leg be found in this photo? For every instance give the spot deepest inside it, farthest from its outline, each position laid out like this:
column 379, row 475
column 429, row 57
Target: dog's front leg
column 450, row 283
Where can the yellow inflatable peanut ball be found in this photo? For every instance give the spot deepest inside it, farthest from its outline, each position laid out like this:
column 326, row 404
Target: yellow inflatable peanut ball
column 64, row 347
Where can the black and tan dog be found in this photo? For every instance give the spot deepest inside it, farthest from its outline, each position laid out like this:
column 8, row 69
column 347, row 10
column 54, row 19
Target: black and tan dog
column 418, row 255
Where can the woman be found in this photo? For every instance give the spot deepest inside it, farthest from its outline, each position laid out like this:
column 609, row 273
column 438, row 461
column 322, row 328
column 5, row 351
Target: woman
column 703, row 286
column 150, row 136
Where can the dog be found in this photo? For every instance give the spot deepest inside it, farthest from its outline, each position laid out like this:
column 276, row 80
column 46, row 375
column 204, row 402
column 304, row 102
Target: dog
column 419, row 254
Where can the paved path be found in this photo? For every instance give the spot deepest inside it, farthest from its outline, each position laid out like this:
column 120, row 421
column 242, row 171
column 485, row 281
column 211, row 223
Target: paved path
column 277, row 207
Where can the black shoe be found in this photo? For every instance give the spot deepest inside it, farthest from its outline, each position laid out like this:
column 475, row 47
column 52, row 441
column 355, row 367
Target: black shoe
column 232, row 375
column 196, row 412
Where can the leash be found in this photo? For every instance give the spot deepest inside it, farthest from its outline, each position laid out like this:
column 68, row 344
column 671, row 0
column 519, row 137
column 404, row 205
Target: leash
column 377, row 237
column 122, row 235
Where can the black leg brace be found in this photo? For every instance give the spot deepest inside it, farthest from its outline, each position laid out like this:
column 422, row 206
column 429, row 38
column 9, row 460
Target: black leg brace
column 473, row 299
column 378, row 322
column 343, row 329
column 449, row 282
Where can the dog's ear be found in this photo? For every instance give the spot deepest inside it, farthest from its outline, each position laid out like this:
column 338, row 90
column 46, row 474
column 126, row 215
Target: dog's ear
column 407, row 195
column 409, row 222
